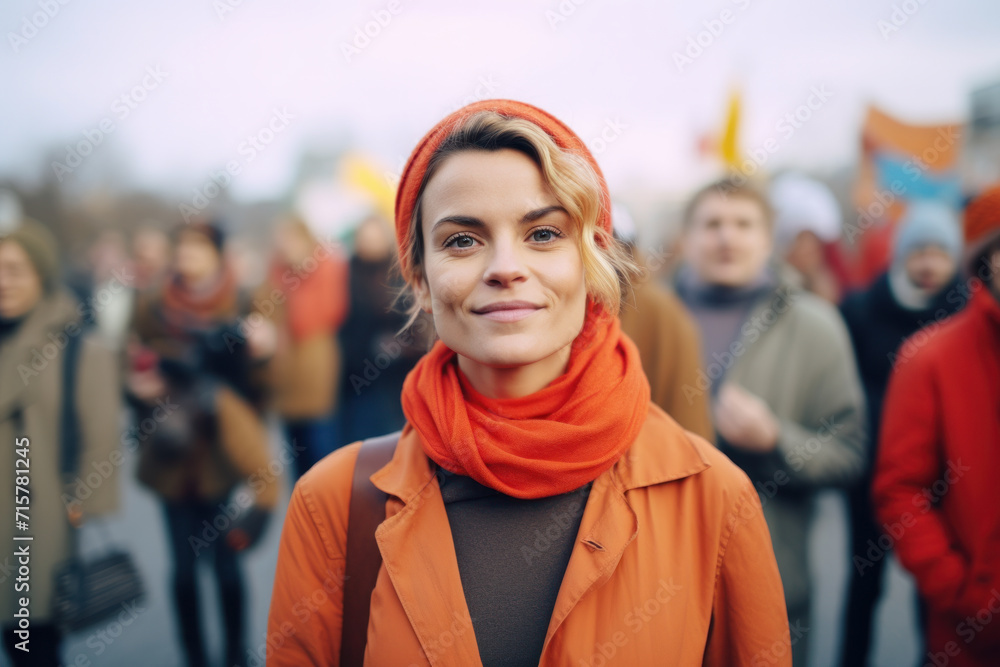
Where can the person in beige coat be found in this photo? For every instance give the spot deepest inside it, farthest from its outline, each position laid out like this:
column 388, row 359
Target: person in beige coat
column 37, row 320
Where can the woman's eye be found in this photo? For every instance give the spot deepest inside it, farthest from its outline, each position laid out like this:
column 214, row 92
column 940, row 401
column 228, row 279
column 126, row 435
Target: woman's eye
column 460, row 241
column 544, row 235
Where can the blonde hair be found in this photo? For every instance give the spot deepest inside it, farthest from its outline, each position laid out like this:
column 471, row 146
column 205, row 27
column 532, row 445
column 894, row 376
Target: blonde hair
column 607, row 264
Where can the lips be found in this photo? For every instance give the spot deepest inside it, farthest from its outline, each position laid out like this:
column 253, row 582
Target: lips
column 507, row 311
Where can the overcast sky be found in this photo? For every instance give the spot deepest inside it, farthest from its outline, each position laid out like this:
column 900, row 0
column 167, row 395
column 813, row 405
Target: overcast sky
column 226, row 67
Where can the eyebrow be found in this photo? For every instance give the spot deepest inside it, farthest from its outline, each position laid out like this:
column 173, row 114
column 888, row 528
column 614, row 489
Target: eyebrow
column 470, row 221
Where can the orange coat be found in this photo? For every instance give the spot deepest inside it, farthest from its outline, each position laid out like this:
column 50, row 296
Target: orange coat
column 673, row 566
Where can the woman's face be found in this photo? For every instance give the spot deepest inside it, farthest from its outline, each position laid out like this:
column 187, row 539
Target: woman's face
column 195, row 257
column 728, row 240
column 503, row 274
column 930, row 267
column 20, row 285
column 292, row 245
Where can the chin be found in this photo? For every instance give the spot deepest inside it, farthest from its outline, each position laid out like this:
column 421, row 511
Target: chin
column 506, row 354
column 726, row 279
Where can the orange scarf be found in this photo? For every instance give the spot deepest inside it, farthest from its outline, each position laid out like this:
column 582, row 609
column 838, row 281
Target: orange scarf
column 544, row 444
column 218, row 302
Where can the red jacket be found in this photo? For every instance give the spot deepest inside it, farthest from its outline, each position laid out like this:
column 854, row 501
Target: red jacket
column 937, row 479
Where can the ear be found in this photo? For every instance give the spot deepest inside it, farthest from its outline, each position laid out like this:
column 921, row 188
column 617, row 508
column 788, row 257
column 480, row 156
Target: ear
column 422, row 294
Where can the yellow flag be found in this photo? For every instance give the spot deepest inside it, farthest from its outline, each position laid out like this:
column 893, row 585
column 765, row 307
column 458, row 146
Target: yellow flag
column 729, row 144
column 361, row 173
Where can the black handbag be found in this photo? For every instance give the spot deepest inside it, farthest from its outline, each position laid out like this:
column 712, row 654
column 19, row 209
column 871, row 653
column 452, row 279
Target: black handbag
column 87, row 592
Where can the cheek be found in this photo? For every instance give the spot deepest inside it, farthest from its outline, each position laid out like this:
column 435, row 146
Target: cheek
column 450, row 285
column 564, row 274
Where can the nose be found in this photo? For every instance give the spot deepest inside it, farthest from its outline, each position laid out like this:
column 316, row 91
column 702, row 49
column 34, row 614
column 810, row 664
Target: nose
column 505, row 265
column 726, row 234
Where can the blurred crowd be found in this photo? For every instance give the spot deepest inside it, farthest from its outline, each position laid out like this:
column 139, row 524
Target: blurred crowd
column 760, row 334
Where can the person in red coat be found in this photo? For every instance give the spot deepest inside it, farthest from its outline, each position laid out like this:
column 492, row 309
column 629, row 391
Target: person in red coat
column 935, row 489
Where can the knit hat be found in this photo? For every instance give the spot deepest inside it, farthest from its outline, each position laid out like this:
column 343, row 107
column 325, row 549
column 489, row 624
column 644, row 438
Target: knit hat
column 41, row 248
column 416, row 166
column 925, row 223
column 982, row 222
column 803, row 204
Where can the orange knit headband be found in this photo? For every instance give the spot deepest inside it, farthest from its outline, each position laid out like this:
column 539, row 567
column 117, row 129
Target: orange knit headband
column 416, row 166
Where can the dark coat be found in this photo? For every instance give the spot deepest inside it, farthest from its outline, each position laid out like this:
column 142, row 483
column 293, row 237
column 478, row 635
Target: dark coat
column 878, row 325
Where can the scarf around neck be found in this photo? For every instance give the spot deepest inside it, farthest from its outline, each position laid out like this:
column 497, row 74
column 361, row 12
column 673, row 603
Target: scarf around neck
column 547, row 443
column 203, row 307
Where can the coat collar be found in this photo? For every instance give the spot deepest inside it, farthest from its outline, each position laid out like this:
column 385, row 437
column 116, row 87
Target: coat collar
column 416, row 541
column 53, row 314
column 662, row 452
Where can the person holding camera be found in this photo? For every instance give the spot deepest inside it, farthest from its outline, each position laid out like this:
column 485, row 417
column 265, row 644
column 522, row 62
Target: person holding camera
column 197, row 376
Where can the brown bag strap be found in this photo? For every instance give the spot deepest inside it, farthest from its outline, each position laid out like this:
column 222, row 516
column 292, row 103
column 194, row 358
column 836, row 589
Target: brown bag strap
column 366, row 512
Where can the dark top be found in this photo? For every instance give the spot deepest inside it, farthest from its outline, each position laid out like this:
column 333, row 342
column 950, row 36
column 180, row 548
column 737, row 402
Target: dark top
column 720, row 312
column 9, row 327
column 878, row 325
column 371, row 327
column 512, row 555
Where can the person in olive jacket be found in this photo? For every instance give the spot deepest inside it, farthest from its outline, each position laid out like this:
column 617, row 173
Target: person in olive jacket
column 786, row 399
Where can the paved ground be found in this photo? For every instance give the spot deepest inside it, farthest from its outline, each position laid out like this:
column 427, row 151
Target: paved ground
column 151, row 639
